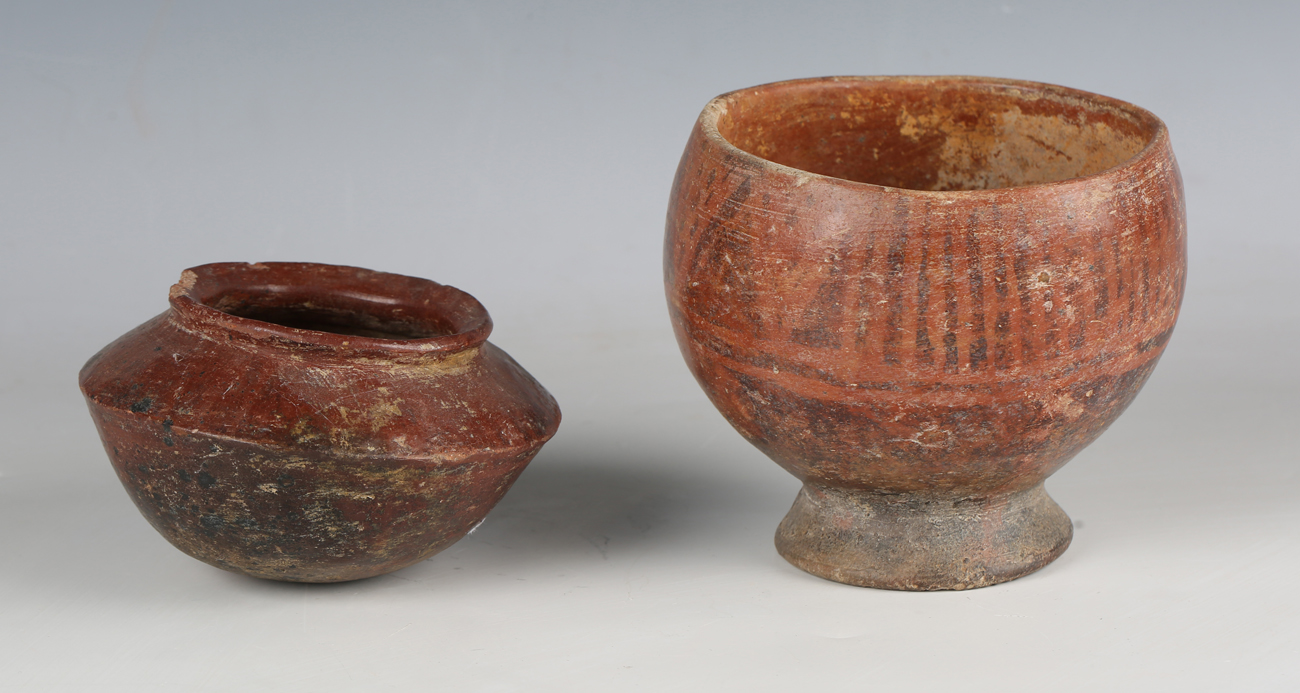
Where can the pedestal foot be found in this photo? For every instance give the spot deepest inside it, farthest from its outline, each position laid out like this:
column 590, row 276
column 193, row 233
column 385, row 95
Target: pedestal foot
column 908, row 542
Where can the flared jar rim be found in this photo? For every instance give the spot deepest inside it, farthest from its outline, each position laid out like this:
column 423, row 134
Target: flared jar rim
column 436, row 318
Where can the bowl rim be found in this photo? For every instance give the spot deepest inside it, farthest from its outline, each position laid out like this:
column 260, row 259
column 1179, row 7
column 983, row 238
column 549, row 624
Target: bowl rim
column 1157, row 143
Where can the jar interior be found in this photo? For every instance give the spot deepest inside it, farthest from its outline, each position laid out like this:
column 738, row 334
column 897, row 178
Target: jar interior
column 934, row 134
column 354, row 315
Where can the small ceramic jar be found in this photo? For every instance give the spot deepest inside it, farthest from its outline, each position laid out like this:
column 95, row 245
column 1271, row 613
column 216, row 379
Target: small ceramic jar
column 315, row 423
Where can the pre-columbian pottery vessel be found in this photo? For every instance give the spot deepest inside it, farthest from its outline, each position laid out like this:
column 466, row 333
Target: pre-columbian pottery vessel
column 922, row 296
column 315, row 423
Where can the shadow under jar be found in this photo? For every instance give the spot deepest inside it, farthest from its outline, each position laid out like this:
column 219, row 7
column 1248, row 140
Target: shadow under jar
column 922, row 296
column 315, row 423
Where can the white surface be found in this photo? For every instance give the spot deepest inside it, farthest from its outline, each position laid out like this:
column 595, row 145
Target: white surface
column 524, row 154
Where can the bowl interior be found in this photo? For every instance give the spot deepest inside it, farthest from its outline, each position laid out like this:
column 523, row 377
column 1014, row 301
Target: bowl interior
column 935, row 133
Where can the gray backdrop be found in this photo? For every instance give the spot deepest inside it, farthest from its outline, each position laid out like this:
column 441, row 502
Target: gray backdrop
column 523, row 152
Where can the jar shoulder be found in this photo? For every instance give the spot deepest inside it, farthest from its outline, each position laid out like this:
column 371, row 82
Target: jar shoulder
column 281, row 396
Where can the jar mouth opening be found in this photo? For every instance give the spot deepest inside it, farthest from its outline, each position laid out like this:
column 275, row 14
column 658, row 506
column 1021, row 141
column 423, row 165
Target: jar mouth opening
column 328, row 306
column 936, row 134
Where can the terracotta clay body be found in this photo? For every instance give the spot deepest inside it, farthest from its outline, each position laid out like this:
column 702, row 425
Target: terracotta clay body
column 922, row 296
column 314, row 423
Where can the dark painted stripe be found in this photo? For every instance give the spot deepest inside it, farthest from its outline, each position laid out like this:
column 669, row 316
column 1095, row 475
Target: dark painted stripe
column 1000, row 275
column 1132, row 296
column 866, row 296
column 1020, row 266
column 1002, row 357
column 1130, row 264
column 950, row 317
column 1074, row 259
column 1155, row 342
column 708, row 187
column 1002, row 352
column 728, row 210
column 1121, row 323
column 1146, row 279
column 1100, row 281
column 896, row 263
column 924, row 349
column 975, row 279
column 1052, row 335
column 1142, row 222
column 823, row 315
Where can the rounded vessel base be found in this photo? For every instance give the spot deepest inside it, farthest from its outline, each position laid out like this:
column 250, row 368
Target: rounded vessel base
column 909, row 542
